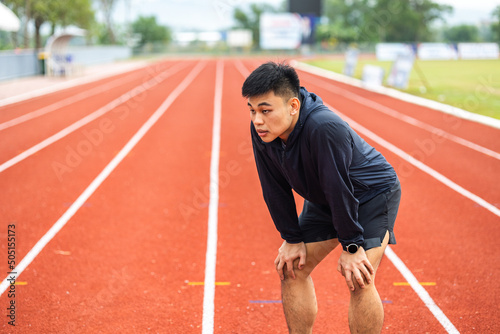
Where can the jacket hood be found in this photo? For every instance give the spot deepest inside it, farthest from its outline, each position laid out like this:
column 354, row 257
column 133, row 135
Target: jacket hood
column 309, row 102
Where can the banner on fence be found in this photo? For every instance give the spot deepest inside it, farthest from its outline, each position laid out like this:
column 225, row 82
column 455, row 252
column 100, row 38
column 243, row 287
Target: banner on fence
column 478, row 50
column 281, row 31
column 391, row 51
column 437, row 51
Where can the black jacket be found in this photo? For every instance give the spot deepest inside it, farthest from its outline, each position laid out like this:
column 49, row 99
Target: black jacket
column 325, row 162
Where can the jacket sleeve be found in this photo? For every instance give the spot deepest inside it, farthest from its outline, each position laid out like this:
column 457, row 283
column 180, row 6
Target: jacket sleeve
column 278, row 197
column 332, row 146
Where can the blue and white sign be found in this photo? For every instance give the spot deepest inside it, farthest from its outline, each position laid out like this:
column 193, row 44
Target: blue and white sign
column 373, row 75
column 351, row 60
column 282, row 31
column 400, row 71
column 478, row 50
column 437, row 51
column 391, row 51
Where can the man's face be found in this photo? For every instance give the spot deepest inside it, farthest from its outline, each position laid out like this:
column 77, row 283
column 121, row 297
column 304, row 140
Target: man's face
column 273, row 116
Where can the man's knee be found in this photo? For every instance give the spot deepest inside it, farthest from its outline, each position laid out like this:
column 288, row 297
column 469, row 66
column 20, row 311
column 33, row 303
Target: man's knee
column 300, row 274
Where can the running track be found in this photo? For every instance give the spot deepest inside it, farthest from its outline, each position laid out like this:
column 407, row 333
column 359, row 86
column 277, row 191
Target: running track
column 120, row 179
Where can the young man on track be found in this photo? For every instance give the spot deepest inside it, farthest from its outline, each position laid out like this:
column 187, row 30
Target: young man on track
column 351, row 195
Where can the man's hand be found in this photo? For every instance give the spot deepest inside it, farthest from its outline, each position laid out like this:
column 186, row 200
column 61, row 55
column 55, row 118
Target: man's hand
column 355, row 266
column 286, row 255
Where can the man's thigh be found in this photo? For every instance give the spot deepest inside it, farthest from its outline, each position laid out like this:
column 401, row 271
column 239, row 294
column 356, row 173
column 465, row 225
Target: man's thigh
column 315, row 253
column 375, row 255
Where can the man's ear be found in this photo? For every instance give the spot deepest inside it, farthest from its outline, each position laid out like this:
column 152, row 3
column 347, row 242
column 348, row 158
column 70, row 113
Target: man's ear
column 295, row 105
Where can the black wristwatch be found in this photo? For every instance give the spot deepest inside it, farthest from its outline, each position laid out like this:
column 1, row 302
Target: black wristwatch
column 351, row 248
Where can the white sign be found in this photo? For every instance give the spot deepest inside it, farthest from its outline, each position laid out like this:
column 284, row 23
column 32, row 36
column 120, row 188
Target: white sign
column 437, row 51
column 241, row 38
column 281, row 31
column 400, row 71
column 351, row 60
column 373, row 75
column 478, row 50
column 391, row 51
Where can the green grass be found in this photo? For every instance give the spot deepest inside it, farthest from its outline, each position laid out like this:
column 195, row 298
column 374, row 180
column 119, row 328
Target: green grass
column 473, row 85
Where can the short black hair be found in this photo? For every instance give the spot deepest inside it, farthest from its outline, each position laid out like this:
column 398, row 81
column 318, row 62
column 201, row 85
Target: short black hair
column 279, row 78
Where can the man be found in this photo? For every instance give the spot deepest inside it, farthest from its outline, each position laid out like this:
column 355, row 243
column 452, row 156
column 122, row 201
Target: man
column 351, row 195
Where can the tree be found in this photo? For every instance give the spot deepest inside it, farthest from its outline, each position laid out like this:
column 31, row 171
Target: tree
column 409, row 20
column 349, row 21
column 383, row 20
column 21, row 9
column 251, row 20
column 150, row 30
column 107, row 7
column 57, row 12
column 462, row 33
column 495, row 27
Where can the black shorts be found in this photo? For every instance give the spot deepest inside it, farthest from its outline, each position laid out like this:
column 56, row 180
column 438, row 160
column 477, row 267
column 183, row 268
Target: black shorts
column 377, row 216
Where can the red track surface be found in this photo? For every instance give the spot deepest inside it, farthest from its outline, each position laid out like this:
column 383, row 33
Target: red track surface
column 124, row 262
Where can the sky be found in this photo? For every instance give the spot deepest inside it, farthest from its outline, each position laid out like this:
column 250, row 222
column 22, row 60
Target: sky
column 210, row 15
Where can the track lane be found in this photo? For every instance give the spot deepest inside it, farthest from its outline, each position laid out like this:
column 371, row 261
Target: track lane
column 21, row 142
column 36, row 202
column 472, row 131
column 15, row 109
column 470, row 169
column 145, row 224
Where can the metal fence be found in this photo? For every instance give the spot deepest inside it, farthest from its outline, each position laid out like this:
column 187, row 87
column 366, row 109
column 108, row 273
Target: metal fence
column 17, row 64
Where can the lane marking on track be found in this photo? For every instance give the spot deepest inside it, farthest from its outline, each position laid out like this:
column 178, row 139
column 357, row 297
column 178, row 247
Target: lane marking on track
column 404, row 118
column 417, row 163
column 211, row 255
column 216, row 283
column 91, row 117
column 68, row 101
column 78, row 203
column 421, row 292
column 408, row 284
column 445, row 108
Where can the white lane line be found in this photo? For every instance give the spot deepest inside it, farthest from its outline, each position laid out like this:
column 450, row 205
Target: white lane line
column 405, row 118
column 211, row 256
column 68, row 101
column 421, row 292
column 89, row 118
column 417, row 163
column 241, row 68
column 77, row 204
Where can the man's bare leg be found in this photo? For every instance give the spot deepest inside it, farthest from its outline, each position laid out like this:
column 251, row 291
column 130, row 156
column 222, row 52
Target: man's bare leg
column 366, row 312
column 298, row 296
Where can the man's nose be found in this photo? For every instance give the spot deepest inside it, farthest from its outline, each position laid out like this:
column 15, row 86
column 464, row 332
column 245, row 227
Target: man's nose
column 258, row 119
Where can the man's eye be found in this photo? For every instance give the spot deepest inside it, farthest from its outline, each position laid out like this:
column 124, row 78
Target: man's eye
column 252, row 111
column 265, row 111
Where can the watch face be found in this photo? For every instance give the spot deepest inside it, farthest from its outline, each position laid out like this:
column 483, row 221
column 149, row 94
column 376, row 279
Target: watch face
column 352, row 248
